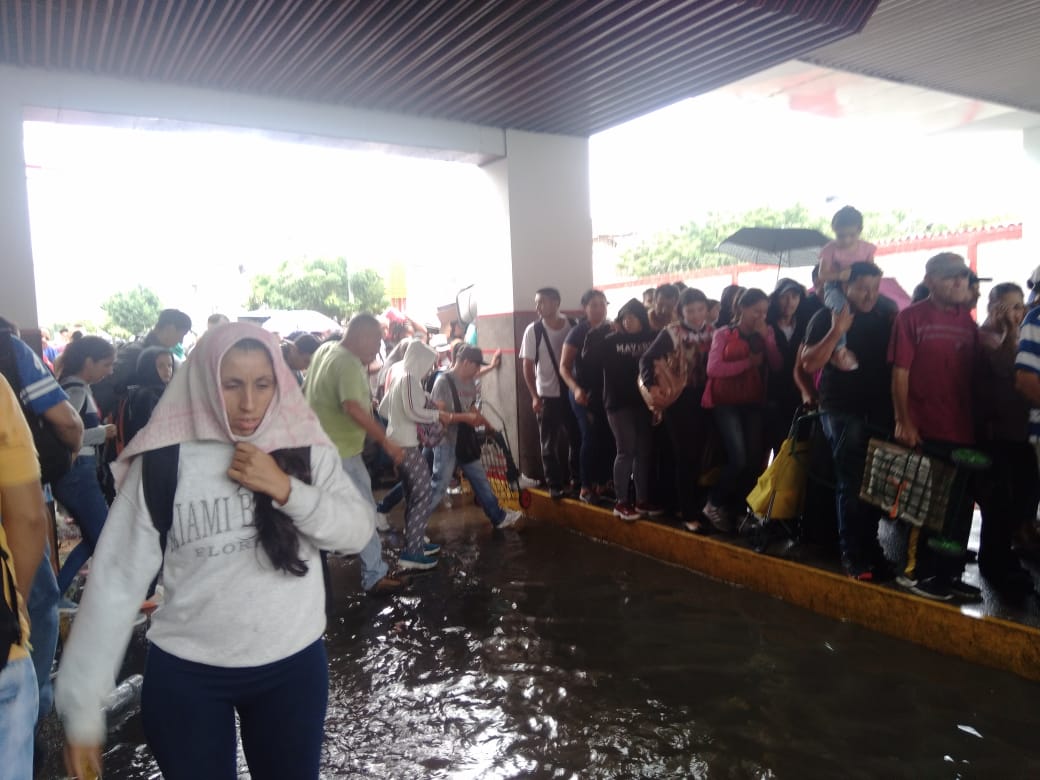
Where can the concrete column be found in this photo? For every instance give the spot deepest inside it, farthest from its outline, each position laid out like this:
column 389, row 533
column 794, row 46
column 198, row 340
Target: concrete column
column 18, row 291
column 1031, row 206
column 539, row 234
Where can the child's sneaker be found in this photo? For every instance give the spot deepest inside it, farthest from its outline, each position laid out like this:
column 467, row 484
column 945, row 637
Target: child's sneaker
column 844, row 360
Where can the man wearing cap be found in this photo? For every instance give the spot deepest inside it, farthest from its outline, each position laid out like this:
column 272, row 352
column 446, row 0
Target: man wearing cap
column 457, row 390
column 933, row 352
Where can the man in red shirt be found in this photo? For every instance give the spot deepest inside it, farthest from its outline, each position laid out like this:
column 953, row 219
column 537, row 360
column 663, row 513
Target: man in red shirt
column 933, row 352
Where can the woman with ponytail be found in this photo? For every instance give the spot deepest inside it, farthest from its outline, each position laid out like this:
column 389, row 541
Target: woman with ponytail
column 84, row 362
column 257, row 491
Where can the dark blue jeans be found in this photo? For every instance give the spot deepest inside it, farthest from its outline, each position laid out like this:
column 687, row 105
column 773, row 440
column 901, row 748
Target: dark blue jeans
column 743, row 437
column 43, row 613
column 597, row 451
column 857, row 521
column 188, row 711
column 80, row 493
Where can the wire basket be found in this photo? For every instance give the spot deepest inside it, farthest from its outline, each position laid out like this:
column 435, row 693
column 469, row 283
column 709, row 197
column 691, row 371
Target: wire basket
column 908, row 485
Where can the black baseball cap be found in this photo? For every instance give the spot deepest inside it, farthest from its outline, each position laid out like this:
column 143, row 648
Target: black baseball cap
column 472, row 354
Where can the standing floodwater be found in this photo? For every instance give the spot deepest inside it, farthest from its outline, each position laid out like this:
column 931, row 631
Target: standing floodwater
column 546, row 654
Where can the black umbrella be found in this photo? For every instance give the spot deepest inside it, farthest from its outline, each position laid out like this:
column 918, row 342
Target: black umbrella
column 784, row 246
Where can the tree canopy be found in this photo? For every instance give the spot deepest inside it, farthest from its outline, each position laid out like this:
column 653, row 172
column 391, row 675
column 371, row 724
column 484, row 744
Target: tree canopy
column 321, row 285
column 692, row 246
column 132, row 313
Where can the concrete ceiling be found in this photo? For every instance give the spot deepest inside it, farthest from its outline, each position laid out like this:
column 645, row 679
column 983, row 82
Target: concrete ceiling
column 561, row 66
column 988, row 50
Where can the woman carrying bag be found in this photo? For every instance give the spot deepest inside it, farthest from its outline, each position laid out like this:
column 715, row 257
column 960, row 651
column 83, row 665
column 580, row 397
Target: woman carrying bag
column 736, row 393
column 688, row 341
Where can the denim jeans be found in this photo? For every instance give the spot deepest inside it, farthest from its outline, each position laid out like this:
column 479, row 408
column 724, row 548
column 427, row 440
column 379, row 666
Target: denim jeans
column 188, row 712
column 634, row 436
column 373, row 567
column 834, row 299
column 595, row 456
column 43, row 613
column 18, row 707
column 742, row 434
column 80, row 493
column 857, row 521
column 444, row 467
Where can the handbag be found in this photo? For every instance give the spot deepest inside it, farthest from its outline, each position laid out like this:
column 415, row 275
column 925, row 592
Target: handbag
column 744, row 389
column 669, row 380
column 467, row 443
column 430, row 434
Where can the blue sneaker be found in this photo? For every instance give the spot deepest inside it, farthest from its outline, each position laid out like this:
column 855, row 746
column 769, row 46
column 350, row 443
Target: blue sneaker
column 419, row 562
column 431, row 548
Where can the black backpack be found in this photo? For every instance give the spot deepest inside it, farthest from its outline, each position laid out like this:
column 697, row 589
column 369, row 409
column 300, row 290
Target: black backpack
column 55, row 458
column 10, row 626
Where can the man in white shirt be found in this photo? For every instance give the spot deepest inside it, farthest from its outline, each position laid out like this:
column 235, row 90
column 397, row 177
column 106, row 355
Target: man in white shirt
column 540, row 352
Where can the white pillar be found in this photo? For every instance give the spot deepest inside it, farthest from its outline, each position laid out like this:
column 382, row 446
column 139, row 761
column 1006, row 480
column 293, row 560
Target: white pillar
column 1031, row 206
column 18, row 291
column 539, row 233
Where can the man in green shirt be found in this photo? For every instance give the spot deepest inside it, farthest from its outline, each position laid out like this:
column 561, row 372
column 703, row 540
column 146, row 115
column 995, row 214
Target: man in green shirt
column 337, row 390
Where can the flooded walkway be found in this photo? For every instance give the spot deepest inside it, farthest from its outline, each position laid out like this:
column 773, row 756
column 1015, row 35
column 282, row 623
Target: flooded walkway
column 547, row 654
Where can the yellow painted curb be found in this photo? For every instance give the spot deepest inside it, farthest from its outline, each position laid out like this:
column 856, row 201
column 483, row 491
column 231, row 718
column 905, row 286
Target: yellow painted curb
column 990, row 641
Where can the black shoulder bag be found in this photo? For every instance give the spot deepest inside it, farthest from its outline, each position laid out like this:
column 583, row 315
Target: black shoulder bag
column 467, row 443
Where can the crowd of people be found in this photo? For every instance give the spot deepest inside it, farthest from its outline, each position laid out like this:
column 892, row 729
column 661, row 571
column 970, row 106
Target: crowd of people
column 228, row 478
column 669, row 409
column 209, row 492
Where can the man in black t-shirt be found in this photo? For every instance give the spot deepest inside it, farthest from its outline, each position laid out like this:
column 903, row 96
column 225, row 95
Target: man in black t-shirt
column 855, row 405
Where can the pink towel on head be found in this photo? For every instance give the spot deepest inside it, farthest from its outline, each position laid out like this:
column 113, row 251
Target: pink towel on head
column 192, row 407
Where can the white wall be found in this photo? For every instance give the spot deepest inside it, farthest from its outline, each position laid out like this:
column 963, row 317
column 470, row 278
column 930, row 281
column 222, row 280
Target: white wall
column 18, row 291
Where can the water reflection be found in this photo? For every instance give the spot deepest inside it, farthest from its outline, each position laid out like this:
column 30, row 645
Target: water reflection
column 544, row 654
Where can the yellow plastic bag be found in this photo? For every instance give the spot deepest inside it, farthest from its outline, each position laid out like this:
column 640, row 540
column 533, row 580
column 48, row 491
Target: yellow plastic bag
column 780, row 491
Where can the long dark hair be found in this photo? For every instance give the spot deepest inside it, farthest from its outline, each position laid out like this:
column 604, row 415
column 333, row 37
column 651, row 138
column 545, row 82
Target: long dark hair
column 728, row 305
column 747, row 299
column 275, row 530
column 75, row 355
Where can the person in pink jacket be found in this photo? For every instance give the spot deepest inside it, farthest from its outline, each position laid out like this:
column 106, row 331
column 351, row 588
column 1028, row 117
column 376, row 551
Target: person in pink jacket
column 736, row 394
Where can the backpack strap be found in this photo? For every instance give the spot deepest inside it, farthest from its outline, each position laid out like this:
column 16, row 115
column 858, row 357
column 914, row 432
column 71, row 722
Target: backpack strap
column 539, row 332
column 159, row 478
column 454, row 393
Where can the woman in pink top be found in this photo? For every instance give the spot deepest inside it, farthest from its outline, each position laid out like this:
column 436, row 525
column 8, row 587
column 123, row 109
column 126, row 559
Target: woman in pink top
column 736, row 392
column 836, row 259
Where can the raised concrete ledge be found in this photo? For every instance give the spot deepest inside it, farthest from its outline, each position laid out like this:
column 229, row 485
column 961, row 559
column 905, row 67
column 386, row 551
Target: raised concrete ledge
column 990, row 641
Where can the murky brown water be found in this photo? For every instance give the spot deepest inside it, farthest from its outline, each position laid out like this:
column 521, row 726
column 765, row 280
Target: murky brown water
column 545, row 654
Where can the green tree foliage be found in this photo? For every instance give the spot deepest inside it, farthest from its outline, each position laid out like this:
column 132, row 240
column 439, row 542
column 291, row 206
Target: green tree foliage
column 132, row 313
column 367, row 293
column 693, row 245
column 320, row 285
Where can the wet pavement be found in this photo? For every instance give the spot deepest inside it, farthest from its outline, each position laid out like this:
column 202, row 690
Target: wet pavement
column 545, row 654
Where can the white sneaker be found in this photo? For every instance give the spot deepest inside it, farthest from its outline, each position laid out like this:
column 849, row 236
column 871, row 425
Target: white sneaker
column 382, row 523
column 511, row 519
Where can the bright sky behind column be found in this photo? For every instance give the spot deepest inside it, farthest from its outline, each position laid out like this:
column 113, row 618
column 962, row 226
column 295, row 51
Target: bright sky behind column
column 183, row 211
